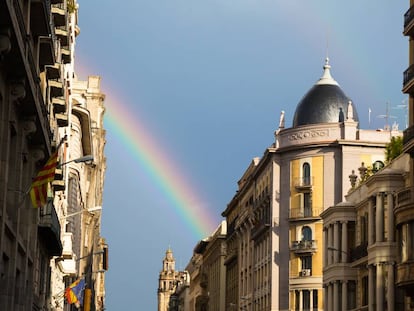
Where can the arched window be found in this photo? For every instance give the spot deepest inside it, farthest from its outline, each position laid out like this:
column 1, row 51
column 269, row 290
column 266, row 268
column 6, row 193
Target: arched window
column 306, row 174
column 306, row 234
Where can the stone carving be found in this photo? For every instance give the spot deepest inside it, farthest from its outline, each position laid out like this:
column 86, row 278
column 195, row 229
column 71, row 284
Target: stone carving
column 308, row 134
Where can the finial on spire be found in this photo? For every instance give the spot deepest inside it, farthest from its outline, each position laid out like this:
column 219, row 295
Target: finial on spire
column 326, row 77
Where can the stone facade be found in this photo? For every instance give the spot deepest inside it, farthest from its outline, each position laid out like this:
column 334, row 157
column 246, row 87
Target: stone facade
column 43, row 249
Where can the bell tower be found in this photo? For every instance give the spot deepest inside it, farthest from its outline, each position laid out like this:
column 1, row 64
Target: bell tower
column 166, row 281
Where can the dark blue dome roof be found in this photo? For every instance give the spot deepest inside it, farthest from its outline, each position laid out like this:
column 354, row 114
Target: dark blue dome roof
column 325, row 102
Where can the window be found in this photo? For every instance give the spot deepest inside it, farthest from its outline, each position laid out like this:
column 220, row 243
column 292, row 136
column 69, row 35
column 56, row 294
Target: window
column 307, row 204
column 315, row 299
column 306, row 174
column 306, row 233
column 306, row 299
column 364, row 228
column 351, row 294
column 364, row 290
column 407, row 242
column 306, row 262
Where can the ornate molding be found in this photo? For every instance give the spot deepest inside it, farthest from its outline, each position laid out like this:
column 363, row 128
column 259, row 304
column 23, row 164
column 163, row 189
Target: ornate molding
column 308, row 134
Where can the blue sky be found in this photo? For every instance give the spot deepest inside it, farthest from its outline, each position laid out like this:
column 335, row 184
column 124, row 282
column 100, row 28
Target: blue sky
column 209, row 78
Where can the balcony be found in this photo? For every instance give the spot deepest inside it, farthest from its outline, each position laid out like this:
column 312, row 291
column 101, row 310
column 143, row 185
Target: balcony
column 67, row 252
column 62, row 34
column 65, row 52
column 59, row 14
column 302, row 213
column 53, row 71
column 404, row 209
column 61, row 119
column 39, row 17
column 262, row 201
column 49, row 229
column 68, row 267
column 58, row 174
column 59, row 105
column 359, row 252
column 408, row 80
column 408, row 141
column 56, row 88
column 46, row 53
column 58, row 185
column 260, row 227
column 408, row 22
column 405, row 274
column 303, row 183
column 304, row 247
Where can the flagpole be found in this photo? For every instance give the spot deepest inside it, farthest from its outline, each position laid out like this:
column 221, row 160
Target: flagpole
column 27, row 191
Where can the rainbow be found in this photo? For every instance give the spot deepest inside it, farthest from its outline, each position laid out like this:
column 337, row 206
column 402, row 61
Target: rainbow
column 166, row 175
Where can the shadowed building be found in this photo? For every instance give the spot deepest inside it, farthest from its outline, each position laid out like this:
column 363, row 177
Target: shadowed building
column 404, row 215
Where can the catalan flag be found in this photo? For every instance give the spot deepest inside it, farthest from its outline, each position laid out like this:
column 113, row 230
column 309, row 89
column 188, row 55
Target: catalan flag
column 74, row 293
column 38, row 191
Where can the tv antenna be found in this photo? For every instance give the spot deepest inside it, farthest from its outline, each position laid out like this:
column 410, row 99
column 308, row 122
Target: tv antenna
column 387, row 117
column 403, row 105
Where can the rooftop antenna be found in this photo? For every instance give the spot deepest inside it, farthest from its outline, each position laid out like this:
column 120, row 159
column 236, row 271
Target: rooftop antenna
column 327, row 45
column 403, row 105
column 369, row 117
column 387, row 116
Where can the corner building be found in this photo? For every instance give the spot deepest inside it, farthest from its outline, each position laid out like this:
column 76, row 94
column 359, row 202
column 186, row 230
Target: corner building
column 274, row 221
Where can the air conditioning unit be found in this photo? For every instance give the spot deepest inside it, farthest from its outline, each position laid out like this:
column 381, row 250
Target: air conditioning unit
column 305, row 272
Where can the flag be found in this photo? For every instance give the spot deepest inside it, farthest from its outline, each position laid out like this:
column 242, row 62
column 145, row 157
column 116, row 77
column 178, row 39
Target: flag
column 74, row 293
column 39, row 187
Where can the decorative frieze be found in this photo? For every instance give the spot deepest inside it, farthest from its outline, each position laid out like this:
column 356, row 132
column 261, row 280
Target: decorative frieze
column 308, row 134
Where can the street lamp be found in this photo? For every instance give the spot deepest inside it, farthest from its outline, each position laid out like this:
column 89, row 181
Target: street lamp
column 86, row 158
column 90, row 209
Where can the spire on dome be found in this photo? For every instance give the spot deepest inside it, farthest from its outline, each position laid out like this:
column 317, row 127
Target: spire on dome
column 326, row 77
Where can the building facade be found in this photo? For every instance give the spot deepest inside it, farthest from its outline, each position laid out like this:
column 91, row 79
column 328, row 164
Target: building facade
column 29, row 134
column 360, row 243
column 42, row 249
column 405, row 214
column 276, row 210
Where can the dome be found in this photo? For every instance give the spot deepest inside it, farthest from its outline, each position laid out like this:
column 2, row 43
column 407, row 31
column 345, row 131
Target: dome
column 325, row 102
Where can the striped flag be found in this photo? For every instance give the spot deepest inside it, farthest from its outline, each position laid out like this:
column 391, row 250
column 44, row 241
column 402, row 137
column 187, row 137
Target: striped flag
column 74, row 293
column 38, row 191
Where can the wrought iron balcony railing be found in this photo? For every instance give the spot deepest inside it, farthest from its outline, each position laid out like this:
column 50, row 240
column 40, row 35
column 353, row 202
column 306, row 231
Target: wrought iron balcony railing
column 49, row 228
column 304, row 212
column 408, row 16
column 359, row 252
column 303, row 182
column 408, row 76
column 304, row 246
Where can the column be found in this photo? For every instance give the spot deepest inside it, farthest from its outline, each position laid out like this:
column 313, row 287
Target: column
column 325, row 246
column 335, row 296
column 344, row 295
column 370, row 222
column 311, row 299
column 380, row 288
column 300, row 300
column 390, row 201
column 330, row 297
column 390, row 288
column 344, row 248
column 329, row 243
column 336, row 242
column 371, row 282
column 379, row 219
